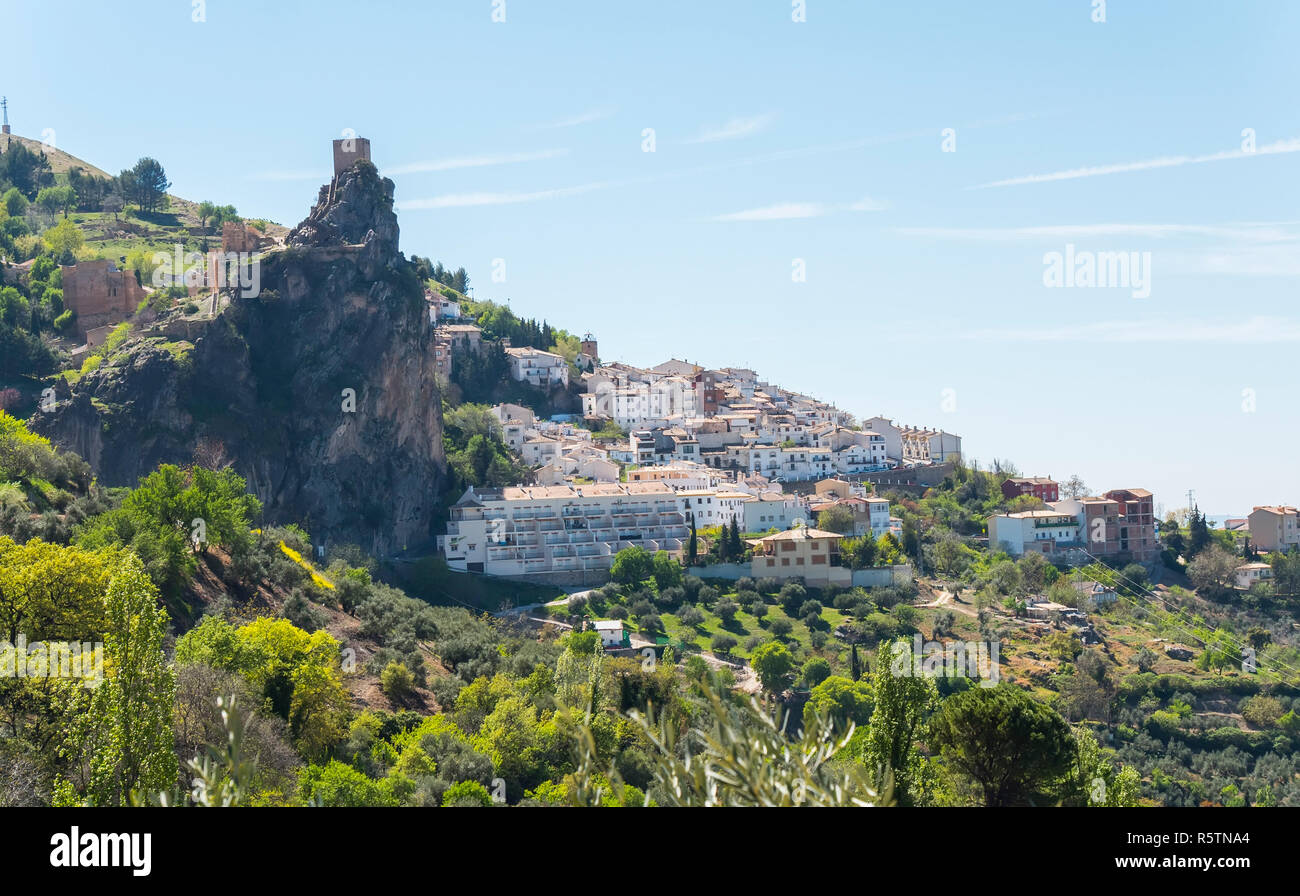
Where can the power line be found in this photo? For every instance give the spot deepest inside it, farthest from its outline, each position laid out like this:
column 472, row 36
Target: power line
column 1178, row 613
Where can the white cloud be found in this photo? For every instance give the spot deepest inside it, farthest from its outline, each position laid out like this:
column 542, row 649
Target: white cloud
column 782, row 211
column 301, row 174
column 483, row 161
column 867, row 204
column 789, row 211
column 1258, row 231
column 1289, row 145
column 426, row 165
column 587, row 117
column 1257, row 330
column 732, row 130
column 466, row 200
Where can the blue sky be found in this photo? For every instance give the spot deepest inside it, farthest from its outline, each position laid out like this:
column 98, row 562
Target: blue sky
column 775, row 141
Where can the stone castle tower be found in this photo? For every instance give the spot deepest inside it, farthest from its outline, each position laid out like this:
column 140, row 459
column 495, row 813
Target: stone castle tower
column 348, row 151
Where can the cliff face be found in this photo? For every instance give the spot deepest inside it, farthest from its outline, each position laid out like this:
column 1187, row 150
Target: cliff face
column 320, row 389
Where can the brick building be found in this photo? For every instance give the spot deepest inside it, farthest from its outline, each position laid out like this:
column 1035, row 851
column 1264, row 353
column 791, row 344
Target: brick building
column 99, row 294
column 1040, row 487
column 1119, row 524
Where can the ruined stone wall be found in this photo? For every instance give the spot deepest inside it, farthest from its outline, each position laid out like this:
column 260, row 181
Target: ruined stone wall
column 99, row 294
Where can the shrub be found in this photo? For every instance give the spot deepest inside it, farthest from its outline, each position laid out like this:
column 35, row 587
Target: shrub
column 690, row 616
column 396, row 681
column 815, row 671
column 810, row 608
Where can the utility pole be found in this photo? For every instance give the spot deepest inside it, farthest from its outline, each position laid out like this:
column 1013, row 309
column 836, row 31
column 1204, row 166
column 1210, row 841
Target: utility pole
column 4, row 104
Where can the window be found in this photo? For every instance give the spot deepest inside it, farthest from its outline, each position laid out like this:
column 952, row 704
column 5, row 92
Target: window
column 785, row 561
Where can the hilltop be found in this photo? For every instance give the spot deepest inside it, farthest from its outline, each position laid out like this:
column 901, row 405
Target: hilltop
column 319, row 387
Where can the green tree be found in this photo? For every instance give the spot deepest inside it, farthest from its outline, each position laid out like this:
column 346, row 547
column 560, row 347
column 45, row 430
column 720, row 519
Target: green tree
column 1008, row 746
column 1213, row 572
column 53, row 200
column 902, row 701
column 667, row 571
column 841, row 700
column 205, row 212
column 467, row 794
column 633, row 564
column 125, row 736
column 772, row 662
column 1198, row 533
column 15, row 202
column 339, row 784
column 815, row 671
column 836, row 518
column 63, row 240
column 1093, row 779
column 146, row 184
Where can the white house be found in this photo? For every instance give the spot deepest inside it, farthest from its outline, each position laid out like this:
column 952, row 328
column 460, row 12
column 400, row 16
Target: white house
column 611, row 633
column 1042, row 531
column 1249, row 574
column 537, row 368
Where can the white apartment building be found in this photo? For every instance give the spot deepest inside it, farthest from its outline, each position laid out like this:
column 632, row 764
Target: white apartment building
column 1042, row 531
column 538, row 450
column 565, row 528
column 638, row 405
column 773, row 510
column 516, row 422
column 711, row 507
column 930, row 446
column 537, row 368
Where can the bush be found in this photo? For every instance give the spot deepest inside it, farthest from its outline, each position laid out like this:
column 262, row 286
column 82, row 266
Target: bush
column 300, row 611
column 671, row 597
column 396, row 681
column 469, row 794
column 815, row 671
column 791, row 597
column 690, row 616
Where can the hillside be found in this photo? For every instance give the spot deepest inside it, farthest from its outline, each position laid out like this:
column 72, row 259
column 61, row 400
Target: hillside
column 319, row 388
column 60, row 161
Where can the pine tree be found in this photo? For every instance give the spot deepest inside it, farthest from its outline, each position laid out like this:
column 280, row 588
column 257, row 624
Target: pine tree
column 1198, row 532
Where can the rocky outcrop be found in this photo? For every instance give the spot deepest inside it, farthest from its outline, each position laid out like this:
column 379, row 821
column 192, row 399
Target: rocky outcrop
column 320, row 388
